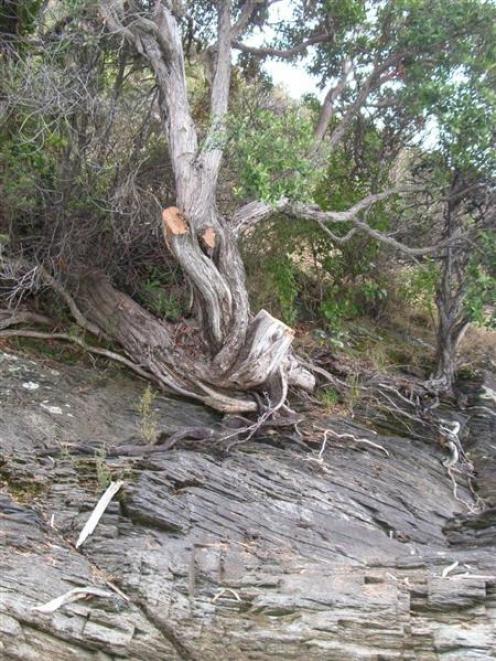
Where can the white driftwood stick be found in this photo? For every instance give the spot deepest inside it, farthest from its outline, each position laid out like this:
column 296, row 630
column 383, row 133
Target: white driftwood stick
column 97, row 513
column 73, row 595
column 449, row 569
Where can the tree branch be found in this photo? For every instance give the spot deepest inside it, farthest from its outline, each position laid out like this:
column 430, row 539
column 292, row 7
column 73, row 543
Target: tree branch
column 285, row 53
column 246, row 14
column 159, row 40
column 10, row 318
column 212, row 155
column 249, row 215
column 16, row 265
column 328, row 108
column 77, row 340
column 373, row 82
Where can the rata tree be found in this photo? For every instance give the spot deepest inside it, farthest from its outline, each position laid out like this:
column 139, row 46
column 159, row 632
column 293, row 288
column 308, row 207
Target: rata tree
column 378, row 59
column 465, row 169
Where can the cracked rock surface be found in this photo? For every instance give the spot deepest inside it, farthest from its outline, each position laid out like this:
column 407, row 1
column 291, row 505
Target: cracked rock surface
column 260, row 553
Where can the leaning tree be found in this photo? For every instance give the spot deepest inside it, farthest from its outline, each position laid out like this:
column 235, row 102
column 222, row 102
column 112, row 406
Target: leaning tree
column 385, row 59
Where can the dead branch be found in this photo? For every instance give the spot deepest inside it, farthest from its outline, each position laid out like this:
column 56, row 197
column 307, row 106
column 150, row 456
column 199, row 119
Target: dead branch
column 15, row 317
column 284, row 53
column 64, row 337
column 15, row 266
column 252, row 213
column 355, row 439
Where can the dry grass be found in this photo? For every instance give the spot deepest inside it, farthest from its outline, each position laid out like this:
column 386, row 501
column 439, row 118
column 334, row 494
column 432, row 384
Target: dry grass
column 478, row 347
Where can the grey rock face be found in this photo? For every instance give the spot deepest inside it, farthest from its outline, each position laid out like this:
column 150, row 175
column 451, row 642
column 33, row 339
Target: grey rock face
column 262, row 553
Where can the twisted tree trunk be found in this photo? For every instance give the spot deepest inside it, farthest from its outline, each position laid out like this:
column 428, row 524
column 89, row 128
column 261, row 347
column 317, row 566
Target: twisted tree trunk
column 233, row 352
column 450, row 295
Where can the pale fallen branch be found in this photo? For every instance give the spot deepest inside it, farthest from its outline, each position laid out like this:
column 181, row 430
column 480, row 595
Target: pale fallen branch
column 223, row 591
column 68, row 597
column 97, row 513
column 64, row 337
column 116, row 589
column 450, row 568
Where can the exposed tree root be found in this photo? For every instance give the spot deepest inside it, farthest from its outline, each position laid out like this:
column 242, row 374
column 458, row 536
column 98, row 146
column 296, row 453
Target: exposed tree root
column 111, row 355
column 174, row 362
column 9, row 318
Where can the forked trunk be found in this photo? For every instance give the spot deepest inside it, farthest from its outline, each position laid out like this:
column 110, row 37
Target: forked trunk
column 231, row 353
column 227, row 359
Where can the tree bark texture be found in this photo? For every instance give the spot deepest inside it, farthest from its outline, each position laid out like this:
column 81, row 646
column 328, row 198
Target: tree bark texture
column 239, row 353
column 450, row 295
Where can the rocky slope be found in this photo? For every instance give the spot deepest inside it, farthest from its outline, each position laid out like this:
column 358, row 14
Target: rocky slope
column 268, row 551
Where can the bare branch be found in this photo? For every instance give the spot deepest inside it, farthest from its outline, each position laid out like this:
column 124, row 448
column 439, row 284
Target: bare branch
column 220, row 87
column 373, row 82
column 252, row 213
column 247, row 12
column 71, row 304
column 159, row 40
column 328, row 107
column 16, row 265
column 220, row 91
column 113, row 23
column 248, row 216
column 81, row 343
column 10, row 318
column 286, row 53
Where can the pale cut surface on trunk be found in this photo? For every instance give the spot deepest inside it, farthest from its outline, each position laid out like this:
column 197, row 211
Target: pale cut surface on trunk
column 262, row 553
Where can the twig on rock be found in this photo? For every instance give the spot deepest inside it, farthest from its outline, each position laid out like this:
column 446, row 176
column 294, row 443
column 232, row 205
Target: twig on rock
column 223, row 591
column 356, row 439
column 98, row 512
column 72, row 595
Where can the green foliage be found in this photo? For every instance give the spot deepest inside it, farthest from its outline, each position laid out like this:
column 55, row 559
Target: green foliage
column 418, row 286
column 17, row 18
column 23, row 166
column 336, row 309
column 329, row 398
column 480, row 301
column 300, row 272
column 270, row 152
column 155, row 296
column 282, row 279
column 467, row 117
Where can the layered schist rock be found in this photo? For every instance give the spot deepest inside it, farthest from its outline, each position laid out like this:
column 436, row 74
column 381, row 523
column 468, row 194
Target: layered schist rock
column 264, row 552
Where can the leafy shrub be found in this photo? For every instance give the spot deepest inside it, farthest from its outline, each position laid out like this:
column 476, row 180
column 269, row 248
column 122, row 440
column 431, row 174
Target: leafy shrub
column 270, row 152
column 480, row 301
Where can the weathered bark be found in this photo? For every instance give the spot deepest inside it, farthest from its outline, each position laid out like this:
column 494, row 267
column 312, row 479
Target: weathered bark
column 240, row 353
column 451, row 328
column 175, row 358
column 270, row 553
column 450, row 295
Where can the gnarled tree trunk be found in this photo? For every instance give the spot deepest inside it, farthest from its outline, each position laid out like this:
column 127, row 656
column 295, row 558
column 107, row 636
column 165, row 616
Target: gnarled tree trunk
column 450, row 295
column 233, row 352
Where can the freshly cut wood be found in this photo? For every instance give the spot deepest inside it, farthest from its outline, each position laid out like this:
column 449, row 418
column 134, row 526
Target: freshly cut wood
column 174, row 221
